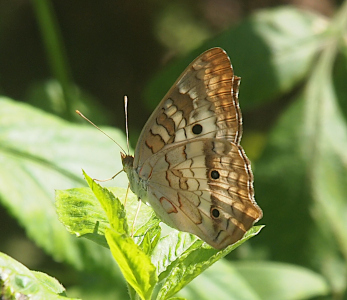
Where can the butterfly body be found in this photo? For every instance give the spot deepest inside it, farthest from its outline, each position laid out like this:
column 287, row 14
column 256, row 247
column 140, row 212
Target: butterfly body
column 188, row 163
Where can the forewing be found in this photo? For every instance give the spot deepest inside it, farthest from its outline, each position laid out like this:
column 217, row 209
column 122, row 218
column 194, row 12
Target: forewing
column 203, row 102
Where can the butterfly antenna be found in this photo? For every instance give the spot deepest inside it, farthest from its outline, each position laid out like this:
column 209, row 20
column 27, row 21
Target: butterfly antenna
column 126, row 120
column 78, row 112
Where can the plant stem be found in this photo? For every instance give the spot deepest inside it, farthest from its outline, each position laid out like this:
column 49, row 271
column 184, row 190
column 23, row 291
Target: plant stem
column 54, row 46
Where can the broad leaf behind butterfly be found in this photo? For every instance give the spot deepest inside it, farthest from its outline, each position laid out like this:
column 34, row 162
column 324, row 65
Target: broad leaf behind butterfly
column 188, row 163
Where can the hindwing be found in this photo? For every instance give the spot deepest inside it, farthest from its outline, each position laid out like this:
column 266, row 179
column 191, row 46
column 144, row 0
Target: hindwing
column 204, row 187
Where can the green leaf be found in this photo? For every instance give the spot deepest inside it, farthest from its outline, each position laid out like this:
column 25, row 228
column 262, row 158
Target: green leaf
column 82, row 214
column 325, row 145
column 190, row 261
column 310, row 236
column 282, row 281
column 16, row 279
column 256, row 280
column 111, row 205
column 281, row 186
column 171, row 247
column 136, row 266
column 221, row 281
column 148, row 235
column 286, row 42
column 301, row 178
column 178, row 257
column 40, row 153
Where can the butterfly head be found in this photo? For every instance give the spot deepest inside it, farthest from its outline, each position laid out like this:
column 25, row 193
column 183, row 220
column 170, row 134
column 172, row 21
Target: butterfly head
column 127, row 161
column 137, row 185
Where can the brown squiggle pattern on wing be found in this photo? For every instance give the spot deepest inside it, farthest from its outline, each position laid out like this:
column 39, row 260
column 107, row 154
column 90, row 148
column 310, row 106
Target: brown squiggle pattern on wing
column 207, row 94
column 189, row 165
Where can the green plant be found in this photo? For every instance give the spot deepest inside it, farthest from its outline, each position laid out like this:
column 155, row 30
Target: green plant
column 150, row 262
column 289, row 59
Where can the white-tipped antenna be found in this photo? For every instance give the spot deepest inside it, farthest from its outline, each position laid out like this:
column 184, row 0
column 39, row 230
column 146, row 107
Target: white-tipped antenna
column 78, row 112
column 126, row 120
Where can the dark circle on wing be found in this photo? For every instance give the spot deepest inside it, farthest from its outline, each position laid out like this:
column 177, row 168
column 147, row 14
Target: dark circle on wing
column 214, row 174
column 197, row 129
column 215, row 213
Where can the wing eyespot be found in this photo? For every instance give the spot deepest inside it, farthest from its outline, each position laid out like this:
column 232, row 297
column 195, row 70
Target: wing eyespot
column 214, row 174
column 197, row 129
column 215, row 214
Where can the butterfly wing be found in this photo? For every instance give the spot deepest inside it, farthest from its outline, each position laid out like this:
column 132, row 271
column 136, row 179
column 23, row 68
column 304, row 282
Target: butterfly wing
column 204, row 187
column 203, row 102
column 188, row 163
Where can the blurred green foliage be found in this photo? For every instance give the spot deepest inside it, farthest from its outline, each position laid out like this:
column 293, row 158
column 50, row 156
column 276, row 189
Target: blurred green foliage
column 293, row 65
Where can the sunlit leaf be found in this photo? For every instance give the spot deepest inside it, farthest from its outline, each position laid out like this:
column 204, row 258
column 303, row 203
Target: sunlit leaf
column 195, row 259
column 16, row 279
column 136, row 266
column 40, row 153
column 256, row 280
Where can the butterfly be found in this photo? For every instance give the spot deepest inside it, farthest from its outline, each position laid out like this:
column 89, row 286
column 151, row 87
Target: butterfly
column 188, row 163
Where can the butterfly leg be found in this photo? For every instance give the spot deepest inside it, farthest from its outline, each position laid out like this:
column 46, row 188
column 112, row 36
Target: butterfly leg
column 103, row 180
column 126, row 195
column 136, row 214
